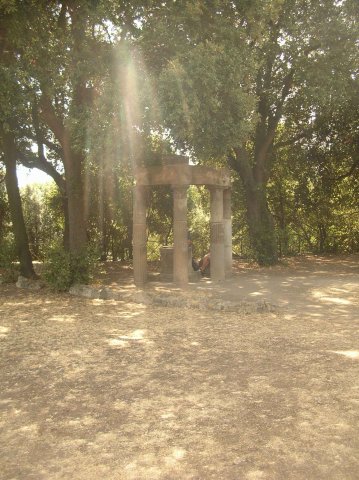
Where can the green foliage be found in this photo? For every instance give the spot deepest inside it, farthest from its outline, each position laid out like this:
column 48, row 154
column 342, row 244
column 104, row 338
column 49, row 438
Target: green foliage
column 4, row 208
column 63, row 269
column 83, row 266
column 160, row 213
column 57, row 269
column 153, row 247
column 208, row 78
column 8, row 266
column 240, row 234
column 262, row 245
column 200, row 93
column 314, row 188
column 8, row 6
column 198, row 220
column 160, row 220
column 230, row 74
column 43, row 216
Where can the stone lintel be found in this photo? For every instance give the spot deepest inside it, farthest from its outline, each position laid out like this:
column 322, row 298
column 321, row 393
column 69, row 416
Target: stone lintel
column 183, row 175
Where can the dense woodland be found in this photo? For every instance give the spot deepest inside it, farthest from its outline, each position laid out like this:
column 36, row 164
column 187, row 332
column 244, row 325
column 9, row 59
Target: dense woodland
column 92, row 88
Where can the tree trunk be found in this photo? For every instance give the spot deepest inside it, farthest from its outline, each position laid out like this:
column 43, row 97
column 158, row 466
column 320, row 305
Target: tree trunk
column 261, row 226
column 260, row 220
column 283, row 238
column 322, row 238
column 66, row 233
column 17, row 217
column 73, row 163
column 76, row 210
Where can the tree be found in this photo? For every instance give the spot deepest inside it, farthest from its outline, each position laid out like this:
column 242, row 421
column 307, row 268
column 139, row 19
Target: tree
column 8, row 118
column 314, row 186
column 61, row 52
column 231, row 73
column 42, row 208
column 17, row 218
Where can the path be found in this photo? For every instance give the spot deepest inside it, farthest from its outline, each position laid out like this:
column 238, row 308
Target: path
column 314, row 286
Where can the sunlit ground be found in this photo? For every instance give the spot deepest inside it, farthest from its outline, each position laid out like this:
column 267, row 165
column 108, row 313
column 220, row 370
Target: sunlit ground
column 103, row 389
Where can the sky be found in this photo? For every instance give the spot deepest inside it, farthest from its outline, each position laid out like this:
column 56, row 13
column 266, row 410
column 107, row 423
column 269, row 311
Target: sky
column 27, row 176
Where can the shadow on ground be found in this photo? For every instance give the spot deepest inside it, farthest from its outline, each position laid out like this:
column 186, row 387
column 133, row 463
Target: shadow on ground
column 105, row 389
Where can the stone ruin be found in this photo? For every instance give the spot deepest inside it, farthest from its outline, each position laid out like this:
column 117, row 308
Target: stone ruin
column 176, row 171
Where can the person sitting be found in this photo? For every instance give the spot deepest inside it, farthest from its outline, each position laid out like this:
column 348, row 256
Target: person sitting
column 195, row 264
column 204, row 265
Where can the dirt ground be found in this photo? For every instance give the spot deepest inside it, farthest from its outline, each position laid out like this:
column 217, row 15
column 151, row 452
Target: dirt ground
column 96, row 389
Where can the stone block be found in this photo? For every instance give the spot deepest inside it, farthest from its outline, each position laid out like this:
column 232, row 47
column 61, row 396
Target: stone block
column 84, row 291
column 28, row 283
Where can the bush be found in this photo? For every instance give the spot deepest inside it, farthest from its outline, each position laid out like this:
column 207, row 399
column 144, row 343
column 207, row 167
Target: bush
column 9, row 269
column 57, row 269
column 84, row 266
column 62, row 269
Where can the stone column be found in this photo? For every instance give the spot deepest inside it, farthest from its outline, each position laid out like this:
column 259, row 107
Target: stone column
column 227, row 224
column 217, row 234
column 180, row 235
column 139, row 235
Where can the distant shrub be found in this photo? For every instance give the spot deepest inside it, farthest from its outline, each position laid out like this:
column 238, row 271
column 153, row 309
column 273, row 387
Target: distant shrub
column 84, row 265
column 57, row 269
column 63, row 269
column 9, row 267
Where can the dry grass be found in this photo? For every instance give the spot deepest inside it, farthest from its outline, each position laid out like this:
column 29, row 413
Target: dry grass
column 102, row 389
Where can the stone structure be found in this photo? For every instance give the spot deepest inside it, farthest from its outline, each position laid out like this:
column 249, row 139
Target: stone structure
column 166, row 264
column 176, row 172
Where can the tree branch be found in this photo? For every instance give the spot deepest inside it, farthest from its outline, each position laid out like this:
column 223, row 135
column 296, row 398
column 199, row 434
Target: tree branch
column 352, row 169
column 267, row 141
column 39, row 161
column 61, row 21
column 238, row 160
column 51, row 145
column 48, row 113
column 304, row 134
column 287, row 85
